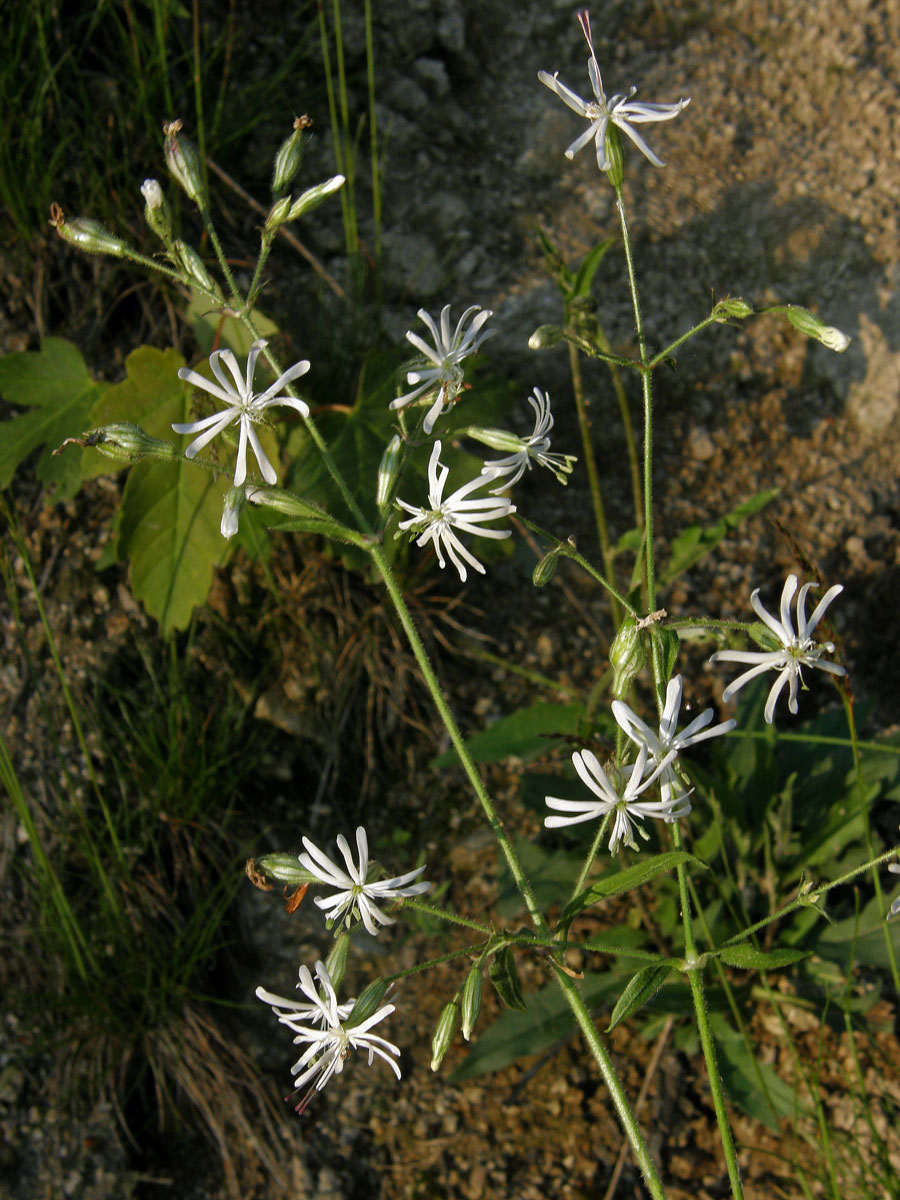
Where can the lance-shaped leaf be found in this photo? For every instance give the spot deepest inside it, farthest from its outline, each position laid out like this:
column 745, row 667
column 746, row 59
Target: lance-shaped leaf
column 748, row 958
column 625, row 881
column 641, row 987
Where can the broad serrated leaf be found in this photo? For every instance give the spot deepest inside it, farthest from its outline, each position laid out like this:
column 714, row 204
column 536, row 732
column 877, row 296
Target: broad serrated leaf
column 640, row 988
column 54, row 383
column 748, row 958
column 694, row 543
column 169, row 532
column 625, row 881
column 170, row 513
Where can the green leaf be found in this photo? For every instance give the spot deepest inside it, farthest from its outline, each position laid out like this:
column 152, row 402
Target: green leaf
column 588, row 269
column 695, row 543
column 212, row 328
column 641, row 987
column 170, row 513
column 55, row 385
column 169, row 532
column 505, row 978
column 625, row 881
column 526, row 733
column 748, row 958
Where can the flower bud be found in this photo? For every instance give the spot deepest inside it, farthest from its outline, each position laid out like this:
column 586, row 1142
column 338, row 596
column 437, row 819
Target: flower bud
column 369, row 1000
column 235, row 498
column 471, row 1000
column 126, row 443
column 616, row 169
column 732, row 308
column 387, row 472
column 626, row 657
column 278, row 214
column 87, row 235
column 497, row 439
column 289, row 156
column 443, row 1035
column 192, row 265
column 336, row 962
column 803, row 319
column 156, row 210
column 284, row 868
column 285, row 502
column 545, row 569
column 314, row 196
column 544, row 337
column 184, row 163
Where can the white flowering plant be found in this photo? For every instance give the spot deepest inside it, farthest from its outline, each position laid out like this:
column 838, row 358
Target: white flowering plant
column 651, row 809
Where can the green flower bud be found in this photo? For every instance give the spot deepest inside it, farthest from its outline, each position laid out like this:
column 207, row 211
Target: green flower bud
column 545, row 569
column 616, row 171
column 192, row 264
column 278, row 214
column 732, row 308
column 387, row 472
column 803, row 319
column 289, row 157
column 626, row 657
column 336, row 962
column 443, row 1035
column 87, row 235
column 497, row 439
column 285, row 502
column 314, row 196
column 284, row 868
column 156, row 210
column 544, row 337
column 127, row 443
column 471, row 1000
column 369, row 1000
column 184, row 163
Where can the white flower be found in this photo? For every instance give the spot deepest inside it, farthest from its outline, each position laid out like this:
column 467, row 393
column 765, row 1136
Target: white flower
column 329, row 1040
column 243, row 405
column 895, row 907
column 441, row 367
column 293, row 1012
column 797, row 650
column 620, row 109
column 626, row 807
column 437, row 523
column 659, row 745
column 535, row 447
column 357, row 897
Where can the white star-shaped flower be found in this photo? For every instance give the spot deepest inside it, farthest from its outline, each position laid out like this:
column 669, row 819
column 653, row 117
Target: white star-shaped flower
column 668, row 739
column 535, row 448
column 357, row 896
column 621, row 110
column 437, row 523
column 441, row 370
column 242, row 404
column 626, row 806
column 329, row 1041
column 797, row 650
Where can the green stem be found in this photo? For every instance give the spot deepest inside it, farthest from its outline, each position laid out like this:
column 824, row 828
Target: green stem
column 590, row 462
column 444, row 914
column 628, row 426
column 610, row 1078
column 701, row 1013
column 664, row 354
column 487, row 804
